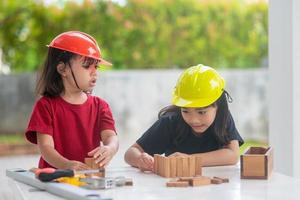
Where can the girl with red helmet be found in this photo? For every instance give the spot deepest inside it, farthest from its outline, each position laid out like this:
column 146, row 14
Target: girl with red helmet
column 67, row 122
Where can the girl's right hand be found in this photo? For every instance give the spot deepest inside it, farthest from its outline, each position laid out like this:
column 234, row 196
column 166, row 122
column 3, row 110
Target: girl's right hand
column 145, row 162
column 176, row 154
column 76, row 165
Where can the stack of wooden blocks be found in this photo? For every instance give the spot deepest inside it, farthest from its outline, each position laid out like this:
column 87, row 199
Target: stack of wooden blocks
column 196, row 181
column 91, row 163
column 177, row 166
column 257, row 163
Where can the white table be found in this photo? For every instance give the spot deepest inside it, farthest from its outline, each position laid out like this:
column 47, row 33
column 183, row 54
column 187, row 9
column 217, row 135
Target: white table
column 148, row 186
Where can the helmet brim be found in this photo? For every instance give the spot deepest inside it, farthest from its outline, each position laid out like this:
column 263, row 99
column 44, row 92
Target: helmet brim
column 101, row 61
column 104, row 62
column 195, row 103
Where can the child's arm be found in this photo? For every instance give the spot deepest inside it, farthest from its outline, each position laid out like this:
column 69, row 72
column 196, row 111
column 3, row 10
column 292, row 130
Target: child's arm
column 51, row 156
column 226, row 156
column 136, row 157
column 105, row 153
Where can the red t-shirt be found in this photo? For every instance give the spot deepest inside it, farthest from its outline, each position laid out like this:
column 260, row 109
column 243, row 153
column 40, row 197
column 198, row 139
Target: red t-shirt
column 75, row 128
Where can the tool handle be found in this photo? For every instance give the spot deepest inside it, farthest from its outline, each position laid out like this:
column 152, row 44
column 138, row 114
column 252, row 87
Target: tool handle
column 47, row 175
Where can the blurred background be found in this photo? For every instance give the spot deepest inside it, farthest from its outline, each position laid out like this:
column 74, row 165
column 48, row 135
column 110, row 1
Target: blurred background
column 149, row 44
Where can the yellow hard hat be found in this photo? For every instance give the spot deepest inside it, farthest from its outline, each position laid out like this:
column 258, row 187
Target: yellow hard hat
column 198, row 86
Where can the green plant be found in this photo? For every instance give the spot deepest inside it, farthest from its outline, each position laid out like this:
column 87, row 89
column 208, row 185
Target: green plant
column 141, row 34
column 11, row 139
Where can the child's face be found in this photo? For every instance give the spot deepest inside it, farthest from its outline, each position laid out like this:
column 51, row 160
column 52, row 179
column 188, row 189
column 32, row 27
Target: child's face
column 199, row 119
column 85, row 72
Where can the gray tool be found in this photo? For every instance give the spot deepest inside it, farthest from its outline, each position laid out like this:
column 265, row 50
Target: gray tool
column 103, row 183
column 60, row 189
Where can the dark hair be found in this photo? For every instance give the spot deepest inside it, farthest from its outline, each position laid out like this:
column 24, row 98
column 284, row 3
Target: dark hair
column 49, row 82
column 219, row 125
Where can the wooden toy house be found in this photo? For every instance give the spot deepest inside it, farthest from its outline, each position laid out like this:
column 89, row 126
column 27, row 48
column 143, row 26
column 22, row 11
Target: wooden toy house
column 257, row 163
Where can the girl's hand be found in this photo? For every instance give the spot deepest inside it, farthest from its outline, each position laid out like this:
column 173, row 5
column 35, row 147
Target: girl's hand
column 76, row 165
column 178, row 154
column 145, row 162
column 102, row 155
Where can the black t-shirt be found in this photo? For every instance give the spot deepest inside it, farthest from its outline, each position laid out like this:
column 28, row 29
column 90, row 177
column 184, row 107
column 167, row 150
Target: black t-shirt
column 163, row 137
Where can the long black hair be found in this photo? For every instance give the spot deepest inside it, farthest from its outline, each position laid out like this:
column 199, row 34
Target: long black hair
column 219, row 125
column 49, row 82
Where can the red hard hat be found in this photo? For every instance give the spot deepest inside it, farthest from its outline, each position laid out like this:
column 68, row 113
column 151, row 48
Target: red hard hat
column 79, row 43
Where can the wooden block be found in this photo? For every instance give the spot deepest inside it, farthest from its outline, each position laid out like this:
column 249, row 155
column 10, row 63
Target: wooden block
column 196, row 181
column 187, row 178
column 173, row 167
column 160, row 165
column 177, row 184
column 155, row 169
column 88, row 162
column 257, row 163
column 91, row 163
column 200, row 180
column 198, row 165
column 192, row 166
column 185, row 166
column 128, row 182
column 167, row 167
column 224, row 180
column 179, row 162
column 216, row 181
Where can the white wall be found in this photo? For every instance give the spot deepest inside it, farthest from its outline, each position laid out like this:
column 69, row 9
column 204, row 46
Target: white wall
column 284, row 73
column 137, row 96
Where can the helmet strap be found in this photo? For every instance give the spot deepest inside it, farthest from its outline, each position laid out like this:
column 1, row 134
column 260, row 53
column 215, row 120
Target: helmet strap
column 88, row 92
column 74, row 77
column 229, row 98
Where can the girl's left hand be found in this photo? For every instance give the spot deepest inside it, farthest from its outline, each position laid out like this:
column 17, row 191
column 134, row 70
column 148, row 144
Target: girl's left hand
column 102, row 155
column 178, row 154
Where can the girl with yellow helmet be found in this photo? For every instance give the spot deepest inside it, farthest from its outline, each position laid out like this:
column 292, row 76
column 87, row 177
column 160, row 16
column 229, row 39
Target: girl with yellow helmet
column 198, row 122
column 67, row 122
